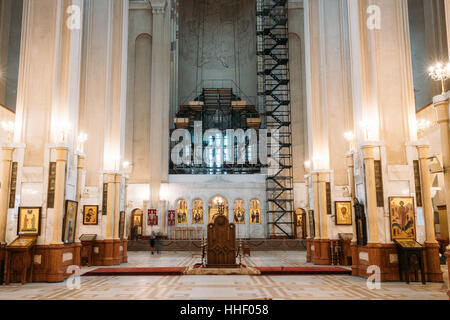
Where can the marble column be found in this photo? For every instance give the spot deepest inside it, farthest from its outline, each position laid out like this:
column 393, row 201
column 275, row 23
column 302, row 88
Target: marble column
column 443, row 118
column 433, row 271
column 159, row 118
column 80, row 188
column 351, row 181
column 315, row 181
column 441, row 104
column 60, row 186
column 163, row 217
column 117, row 258
column 117, row 182
column 110, row 207
column 371, row 201
column 5, row 171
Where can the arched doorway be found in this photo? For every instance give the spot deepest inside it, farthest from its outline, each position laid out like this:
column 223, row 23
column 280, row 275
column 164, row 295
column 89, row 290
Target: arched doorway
column 136, row 224
column 217, row 206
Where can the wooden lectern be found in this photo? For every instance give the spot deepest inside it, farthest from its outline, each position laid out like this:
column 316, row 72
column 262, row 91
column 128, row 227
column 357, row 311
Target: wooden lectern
column 19, row 260
column 221, row 244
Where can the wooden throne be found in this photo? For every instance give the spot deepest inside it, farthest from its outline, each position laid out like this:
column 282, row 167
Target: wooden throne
column 221, row 244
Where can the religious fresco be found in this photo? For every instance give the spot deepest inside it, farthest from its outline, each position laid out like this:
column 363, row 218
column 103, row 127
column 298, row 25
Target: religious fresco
column 197, row 212
column 239, row 212
column 218, row 206
column 182, row 212
column 255, row 212
column 402, row 217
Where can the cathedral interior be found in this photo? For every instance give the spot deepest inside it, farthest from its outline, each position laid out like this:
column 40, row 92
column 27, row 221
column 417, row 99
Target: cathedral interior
column 224, row 149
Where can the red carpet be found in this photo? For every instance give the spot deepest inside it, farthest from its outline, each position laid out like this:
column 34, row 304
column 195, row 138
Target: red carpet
column 303, row 271
column 178, row 271
column 170, row 271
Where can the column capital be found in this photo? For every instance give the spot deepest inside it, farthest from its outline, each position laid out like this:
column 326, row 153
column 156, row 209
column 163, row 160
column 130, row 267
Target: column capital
column 158, row 6
column 61, row 153
column 423, row 151
column 368, row 151
column 7, row 153
column 118, row 177
column 442, row 112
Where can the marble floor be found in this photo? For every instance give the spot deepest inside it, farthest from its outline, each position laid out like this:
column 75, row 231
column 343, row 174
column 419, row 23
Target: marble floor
column 222, row 287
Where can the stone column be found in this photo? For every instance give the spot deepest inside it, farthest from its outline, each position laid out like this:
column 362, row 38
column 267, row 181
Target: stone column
column 351, row 182
column 324, row 237
column 108, row 243
column 110, row 207
column 443, row 117
column 118, row 178
column 163, row 218
column 80, row 187
column 60, row 185
column 371, row 201
column 117, row 242
column 159, row 118
column 5, row 171
column 433, row 265
column 315, row 178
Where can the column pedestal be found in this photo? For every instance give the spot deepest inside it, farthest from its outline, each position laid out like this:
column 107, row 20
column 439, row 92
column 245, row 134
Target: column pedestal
column 309, row 243
column 108, row 252
column 432, row 263
column 125, row 251
column 52, row 261
column 321, row 255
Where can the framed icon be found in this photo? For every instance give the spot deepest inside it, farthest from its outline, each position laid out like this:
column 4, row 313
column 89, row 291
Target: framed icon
column 29, row 222
column 343, row 213
column 70, row 221
column 90, row 215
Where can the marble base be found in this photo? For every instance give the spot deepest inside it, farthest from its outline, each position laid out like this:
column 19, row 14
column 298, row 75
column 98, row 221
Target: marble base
column 221, row 271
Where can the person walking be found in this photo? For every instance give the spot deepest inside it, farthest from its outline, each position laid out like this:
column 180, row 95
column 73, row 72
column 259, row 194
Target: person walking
column 158, row 243
column 152, row 242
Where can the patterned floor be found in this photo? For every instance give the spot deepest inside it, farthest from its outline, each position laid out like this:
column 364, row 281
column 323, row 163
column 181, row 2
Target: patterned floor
column 222, row 287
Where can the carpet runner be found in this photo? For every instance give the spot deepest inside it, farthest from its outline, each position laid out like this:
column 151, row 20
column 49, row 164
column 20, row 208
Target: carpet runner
column 178, row 271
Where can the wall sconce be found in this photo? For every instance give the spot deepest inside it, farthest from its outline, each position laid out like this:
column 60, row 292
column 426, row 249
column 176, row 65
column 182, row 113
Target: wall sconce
column 62, row 130
column 350, row 137
column 307, row 165
column 116, row 160
column 8, row 126
column 422, row 125
column 82, row 138
column 316, row 162
column 439, row 72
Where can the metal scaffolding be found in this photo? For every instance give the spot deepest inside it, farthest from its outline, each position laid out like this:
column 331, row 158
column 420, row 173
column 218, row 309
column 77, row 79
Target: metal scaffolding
column 274, row 96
